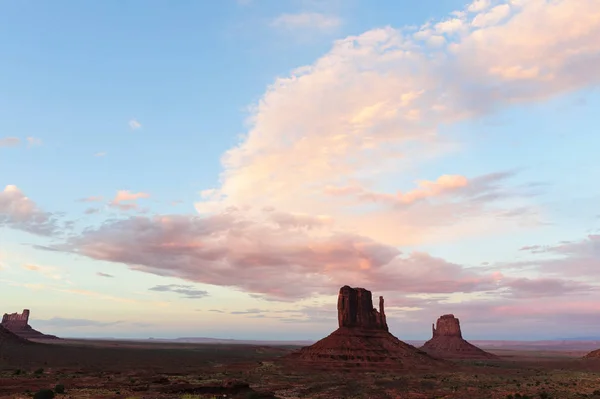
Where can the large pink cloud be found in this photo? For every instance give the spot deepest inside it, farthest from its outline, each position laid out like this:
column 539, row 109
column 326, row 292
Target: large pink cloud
column 289, row 260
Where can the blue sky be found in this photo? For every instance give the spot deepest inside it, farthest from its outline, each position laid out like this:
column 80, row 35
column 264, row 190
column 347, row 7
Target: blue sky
column 242, row 160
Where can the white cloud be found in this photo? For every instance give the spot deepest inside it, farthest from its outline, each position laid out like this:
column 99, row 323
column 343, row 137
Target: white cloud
column 478, row 5
column 491, row 17
column 450, row 26
column 32, row 141
column 134, row 124
column 306, row 20
column 100, row 154
column 371, row 107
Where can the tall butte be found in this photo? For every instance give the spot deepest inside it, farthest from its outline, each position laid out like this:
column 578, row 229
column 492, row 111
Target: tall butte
column 18, row 324
column 447, row 342
column 362, row 338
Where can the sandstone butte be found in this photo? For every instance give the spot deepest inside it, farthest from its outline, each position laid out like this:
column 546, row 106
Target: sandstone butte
column 595, row 354
column 18, row 323
column 447, row 342
column 362, row 339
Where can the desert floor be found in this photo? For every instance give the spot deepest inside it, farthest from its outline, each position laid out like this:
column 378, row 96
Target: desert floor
column 145, row 370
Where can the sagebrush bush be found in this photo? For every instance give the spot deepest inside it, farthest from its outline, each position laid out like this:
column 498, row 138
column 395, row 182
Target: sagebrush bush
column 44, row 394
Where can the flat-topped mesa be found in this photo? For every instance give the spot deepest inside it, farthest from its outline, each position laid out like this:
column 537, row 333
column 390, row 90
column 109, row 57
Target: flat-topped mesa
column 16, row 319
column 447, row 326
column 355, row 310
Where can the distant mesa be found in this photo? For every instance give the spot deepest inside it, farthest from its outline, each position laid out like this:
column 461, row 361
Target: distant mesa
column 447, row 342
column 18, row 323
column 362, row 339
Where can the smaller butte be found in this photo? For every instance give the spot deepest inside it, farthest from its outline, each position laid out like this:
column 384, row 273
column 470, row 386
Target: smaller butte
column 447, row 342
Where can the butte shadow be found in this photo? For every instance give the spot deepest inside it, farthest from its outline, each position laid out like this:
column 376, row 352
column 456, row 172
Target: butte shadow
column 447, row 342
column 362, row 340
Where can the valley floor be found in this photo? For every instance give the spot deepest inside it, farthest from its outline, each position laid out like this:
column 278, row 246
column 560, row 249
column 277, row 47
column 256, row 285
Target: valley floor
column 113, row 369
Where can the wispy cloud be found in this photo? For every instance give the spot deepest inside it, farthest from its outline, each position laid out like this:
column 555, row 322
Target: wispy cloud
column 100, row 154
column 93, row 198
column 104, row 275
column 17, row 211
column 62, row 322
column 9, row 142
column 32, row 141
column 47, row 271
column 187, row 291
column 307, row 20
column 134, row 124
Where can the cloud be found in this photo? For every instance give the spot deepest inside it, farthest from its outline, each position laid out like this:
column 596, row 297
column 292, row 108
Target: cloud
column 32, row 141
column 187, row 291
column 92, row 199
column 104, row 275
column 293, row 261
column 74, row 323
column 134, row 124
column 47, row 271
column 307, row 20
column 19, row 212
column 91, row 211
column 478, row 6
column 315, row 195
column 125, row 200
column 372, row 107
column 248, row 311
column 124, row 195
column 9, row 142
column 492, row 17
column 579, row 258
column 100, row 154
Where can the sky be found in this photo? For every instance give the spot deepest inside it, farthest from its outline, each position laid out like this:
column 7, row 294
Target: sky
column 222, row 168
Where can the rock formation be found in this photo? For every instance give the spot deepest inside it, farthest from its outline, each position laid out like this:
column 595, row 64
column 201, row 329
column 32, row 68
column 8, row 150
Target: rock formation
column 10, row 340
column 362, row 339
column 18, row 323
column 355, row 309
column 595, row 354
column 447, row 341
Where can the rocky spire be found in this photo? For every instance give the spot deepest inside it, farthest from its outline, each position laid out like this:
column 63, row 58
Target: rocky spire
column 355, row 309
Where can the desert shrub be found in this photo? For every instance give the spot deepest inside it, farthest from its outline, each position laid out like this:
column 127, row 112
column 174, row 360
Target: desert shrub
column 59, row 388
column 253, row 395
column 596, row 392
column 39, row 371
column 544, row 395
column 44, row 394
column 17, row 371
column 509, row 396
